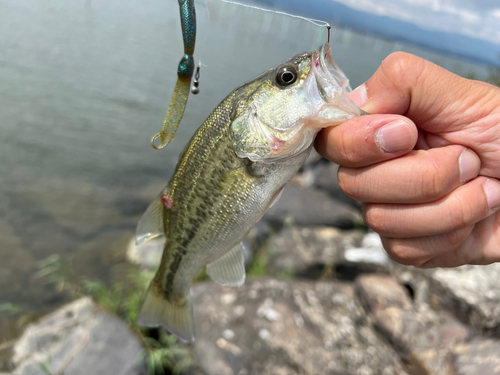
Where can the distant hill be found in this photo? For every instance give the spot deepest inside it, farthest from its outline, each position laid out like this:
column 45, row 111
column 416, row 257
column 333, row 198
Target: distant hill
column 465, row 47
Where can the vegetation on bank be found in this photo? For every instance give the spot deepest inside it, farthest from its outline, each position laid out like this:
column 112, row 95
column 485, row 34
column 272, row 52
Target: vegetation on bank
column 162, row 352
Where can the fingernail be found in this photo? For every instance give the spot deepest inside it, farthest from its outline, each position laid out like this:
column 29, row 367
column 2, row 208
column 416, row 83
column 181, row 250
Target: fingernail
column 359, row 96
column 395, row 136
column 492, row 191
column 469, row 164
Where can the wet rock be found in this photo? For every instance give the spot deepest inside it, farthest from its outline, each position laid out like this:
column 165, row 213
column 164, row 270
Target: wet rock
column 292, row 328
column 423, row 339
column 79, row 338
column 313, row 252
column 311, row 207
column 472, row 293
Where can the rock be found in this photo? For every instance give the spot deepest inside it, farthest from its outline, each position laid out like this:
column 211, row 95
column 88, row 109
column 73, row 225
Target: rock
column 326, row 180
column 472, row 293
column 308, row 252
column 297, row 327
column 259, row 234
column 79, row 338
column 423, row 339
column 313, row 252
column 147, row 255
column 477, row 357
column 311, row 207
column 369, row 256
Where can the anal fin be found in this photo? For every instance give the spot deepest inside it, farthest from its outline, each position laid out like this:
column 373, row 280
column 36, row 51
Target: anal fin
column 229, row 269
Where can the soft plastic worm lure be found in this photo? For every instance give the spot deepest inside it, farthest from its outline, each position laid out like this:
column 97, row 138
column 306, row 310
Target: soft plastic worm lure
column 184, row 74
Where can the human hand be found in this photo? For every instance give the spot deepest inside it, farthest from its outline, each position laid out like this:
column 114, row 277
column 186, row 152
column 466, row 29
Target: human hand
column 426, row 163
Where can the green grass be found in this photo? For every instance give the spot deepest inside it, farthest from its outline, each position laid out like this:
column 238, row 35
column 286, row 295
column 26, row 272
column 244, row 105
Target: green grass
column 161, row 352
column 11, row 309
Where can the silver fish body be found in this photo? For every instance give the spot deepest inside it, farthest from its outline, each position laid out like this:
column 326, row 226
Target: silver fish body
column 230, row 173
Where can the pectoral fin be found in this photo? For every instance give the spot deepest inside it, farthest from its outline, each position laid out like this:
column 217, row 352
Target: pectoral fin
column 229, row 269
column 151, row 224
column 276, row 198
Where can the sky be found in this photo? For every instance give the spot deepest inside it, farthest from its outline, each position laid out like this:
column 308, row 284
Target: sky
column 475, row 18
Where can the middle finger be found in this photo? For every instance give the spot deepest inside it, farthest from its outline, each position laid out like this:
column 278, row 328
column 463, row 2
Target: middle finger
column 418, row 177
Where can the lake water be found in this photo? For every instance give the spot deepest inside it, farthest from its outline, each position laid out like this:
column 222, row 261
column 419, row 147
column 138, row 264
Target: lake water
column 84, row 84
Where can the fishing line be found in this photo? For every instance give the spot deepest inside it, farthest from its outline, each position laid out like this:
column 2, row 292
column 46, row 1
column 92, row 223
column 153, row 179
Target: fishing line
column 311, row 20
column 208, row 11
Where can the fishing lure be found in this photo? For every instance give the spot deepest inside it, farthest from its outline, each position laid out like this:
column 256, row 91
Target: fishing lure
column 184, row 74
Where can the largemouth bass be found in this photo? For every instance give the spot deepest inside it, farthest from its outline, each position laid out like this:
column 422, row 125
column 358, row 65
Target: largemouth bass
column 229, row 174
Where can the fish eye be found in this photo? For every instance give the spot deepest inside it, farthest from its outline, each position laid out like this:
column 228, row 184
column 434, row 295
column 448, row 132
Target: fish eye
column 286, row 76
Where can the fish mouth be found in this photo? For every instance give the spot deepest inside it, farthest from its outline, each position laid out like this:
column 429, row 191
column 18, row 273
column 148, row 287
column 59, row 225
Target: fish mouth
column 328, row 88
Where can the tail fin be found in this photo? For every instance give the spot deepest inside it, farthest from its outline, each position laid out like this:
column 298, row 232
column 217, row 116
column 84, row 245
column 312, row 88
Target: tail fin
column 176, row 317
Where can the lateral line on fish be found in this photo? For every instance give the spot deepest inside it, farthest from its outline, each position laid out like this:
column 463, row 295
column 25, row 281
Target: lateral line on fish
column 311, row 20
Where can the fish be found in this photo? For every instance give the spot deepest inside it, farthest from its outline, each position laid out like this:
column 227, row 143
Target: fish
column 232, row 170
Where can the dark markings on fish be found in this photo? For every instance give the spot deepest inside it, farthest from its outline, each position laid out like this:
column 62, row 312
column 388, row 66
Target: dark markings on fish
column 170, row 277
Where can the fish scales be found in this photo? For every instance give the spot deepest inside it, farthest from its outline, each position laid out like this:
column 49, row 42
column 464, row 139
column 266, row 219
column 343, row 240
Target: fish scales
column 192, row 188
column 231, row 171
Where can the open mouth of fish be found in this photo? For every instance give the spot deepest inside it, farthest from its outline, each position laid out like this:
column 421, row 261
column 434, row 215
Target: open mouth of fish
column 328, row 90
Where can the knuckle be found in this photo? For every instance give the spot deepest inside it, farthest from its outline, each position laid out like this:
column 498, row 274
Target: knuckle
column 398, row 251
column 397, row 64
column 377, row 220
column 434, row 184
column 461, row 213
column 350, row 182
column 349, row 155
column 403, row 67
column 452, row 240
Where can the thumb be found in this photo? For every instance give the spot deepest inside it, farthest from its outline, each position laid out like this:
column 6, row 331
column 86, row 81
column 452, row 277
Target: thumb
column 434, row 98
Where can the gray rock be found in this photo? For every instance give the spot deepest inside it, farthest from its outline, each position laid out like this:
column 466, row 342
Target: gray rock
column 261, row 231
column 146, row 255
column 308, row 252
column 326, row 180
column 311, row 207
column 271, row 327
column 313, row 252
column 423, row 339
column 369, row 256
column 79, row 338
column 472, row 293
column 477, row 357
